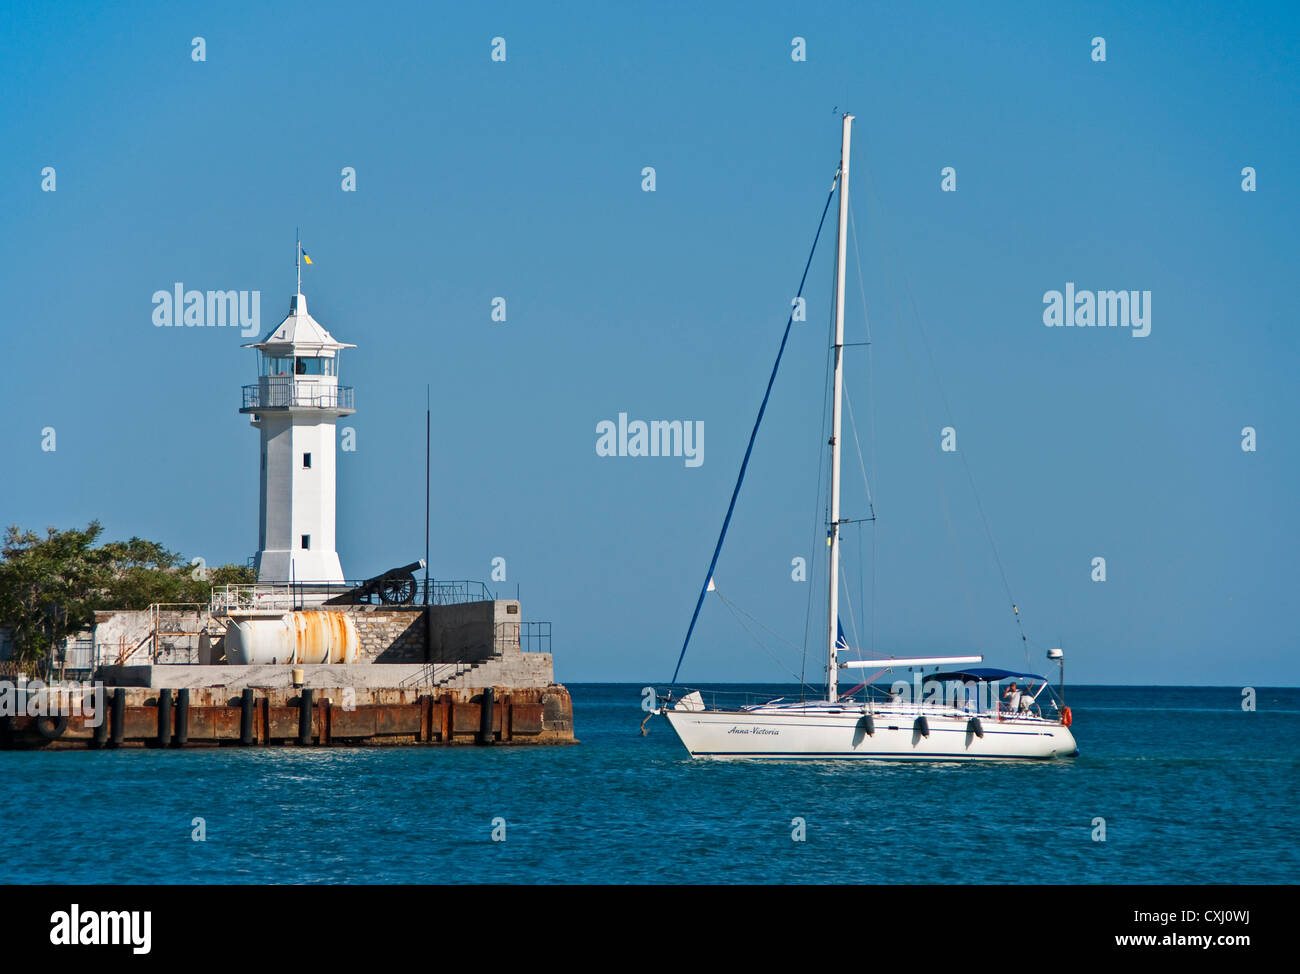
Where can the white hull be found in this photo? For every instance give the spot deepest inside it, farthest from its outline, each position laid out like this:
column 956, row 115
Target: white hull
column 819, row 732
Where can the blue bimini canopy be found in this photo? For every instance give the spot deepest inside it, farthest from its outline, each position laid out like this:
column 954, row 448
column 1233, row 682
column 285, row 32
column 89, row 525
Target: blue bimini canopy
column 984, row 674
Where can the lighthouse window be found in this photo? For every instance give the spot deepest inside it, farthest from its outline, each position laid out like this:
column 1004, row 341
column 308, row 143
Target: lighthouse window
column 306, row 541
column 306, row 461
column 314, row 366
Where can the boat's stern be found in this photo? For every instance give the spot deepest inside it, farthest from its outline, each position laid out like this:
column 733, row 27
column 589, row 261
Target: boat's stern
column 1065, row 744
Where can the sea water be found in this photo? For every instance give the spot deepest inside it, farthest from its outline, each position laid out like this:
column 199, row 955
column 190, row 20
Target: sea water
column 1173, row 785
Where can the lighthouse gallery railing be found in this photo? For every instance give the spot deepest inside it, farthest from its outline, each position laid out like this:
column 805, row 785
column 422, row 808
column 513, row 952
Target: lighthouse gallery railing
column 285, row 391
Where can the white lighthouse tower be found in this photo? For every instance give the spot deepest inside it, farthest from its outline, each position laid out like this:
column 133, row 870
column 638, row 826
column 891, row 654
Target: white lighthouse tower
column 294, row 404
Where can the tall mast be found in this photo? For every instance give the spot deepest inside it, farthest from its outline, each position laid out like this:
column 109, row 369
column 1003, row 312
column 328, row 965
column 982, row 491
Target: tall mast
column 833, row 537
column 298, row 264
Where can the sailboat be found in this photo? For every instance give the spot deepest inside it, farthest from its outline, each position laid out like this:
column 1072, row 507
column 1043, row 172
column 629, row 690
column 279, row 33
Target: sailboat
column 960, row 713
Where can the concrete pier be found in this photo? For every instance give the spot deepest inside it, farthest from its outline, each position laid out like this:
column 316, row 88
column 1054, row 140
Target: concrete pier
column 435, row 674
column 337, row 716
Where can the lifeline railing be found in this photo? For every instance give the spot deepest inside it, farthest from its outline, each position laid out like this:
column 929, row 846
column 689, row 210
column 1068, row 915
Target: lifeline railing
column 877, row 699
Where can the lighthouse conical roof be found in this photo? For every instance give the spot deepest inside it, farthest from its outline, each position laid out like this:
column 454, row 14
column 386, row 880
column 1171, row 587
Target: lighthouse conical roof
column 299, row 331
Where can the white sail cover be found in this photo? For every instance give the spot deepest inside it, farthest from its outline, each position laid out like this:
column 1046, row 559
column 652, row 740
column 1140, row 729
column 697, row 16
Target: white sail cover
column 869, row 664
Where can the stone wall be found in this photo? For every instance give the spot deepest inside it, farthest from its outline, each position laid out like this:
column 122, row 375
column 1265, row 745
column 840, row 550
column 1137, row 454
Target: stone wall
column 465, row 633
column 389, row 635
column 470, row 632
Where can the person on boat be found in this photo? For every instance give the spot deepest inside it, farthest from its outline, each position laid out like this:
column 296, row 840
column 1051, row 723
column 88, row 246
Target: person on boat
column 1013, row 697
column 1027, row 698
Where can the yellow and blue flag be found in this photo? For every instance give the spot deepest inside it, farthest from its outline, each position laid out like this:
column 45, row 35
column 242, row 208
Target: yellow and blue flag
column 305, row 257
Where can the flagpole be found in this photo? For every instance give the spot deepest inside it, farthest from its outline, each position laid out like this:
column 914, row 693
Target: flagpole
column 298, row 261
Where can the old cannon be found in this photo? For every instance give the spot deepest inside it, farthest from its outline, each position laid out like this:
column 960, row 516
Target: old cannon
column 397, row 586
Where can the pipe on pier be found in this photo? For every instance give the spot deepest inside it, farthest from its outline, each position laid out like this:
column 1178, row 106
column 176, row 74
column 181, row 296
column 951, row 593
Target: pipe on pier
column 119, row 715
column 164, row 717
column 101, row 729
column 246, row 717
column 485, row 716
column 304, row 717
column 182, row 717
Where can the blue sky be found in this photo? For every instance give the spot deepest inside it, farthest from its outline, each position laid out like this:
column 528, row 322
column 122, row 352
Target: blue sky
column 522, row 179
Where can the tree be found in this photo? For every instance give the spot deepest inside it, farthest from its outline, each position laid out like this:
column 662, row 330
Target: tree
column 232, row 575
column 48, row 586
column 139, row 573
column 51, row 586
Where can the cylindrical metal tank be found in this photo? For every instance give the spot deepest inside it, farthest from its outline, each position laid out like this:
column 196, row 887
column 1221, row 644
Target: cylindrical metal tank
column 295, row 637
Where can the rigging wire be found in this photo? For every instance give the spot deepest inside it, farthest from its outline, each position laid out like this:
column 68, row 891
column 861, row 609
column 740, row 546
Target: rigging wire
column 943, row 494
column 979, row 506
column 821, row 456
column 844, row 568
column 866, row 481
column 731, row 507
column 871, row 417
column 848, row 400
column 737, row 612
column 853, row 624
column 862, row 574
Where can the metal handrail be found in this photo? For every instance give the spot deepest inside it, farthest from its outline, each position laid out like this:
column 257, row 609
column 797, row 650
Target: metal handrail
column 428, row 675
column 275, row 392
column 295, row 595
column 527, row 637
